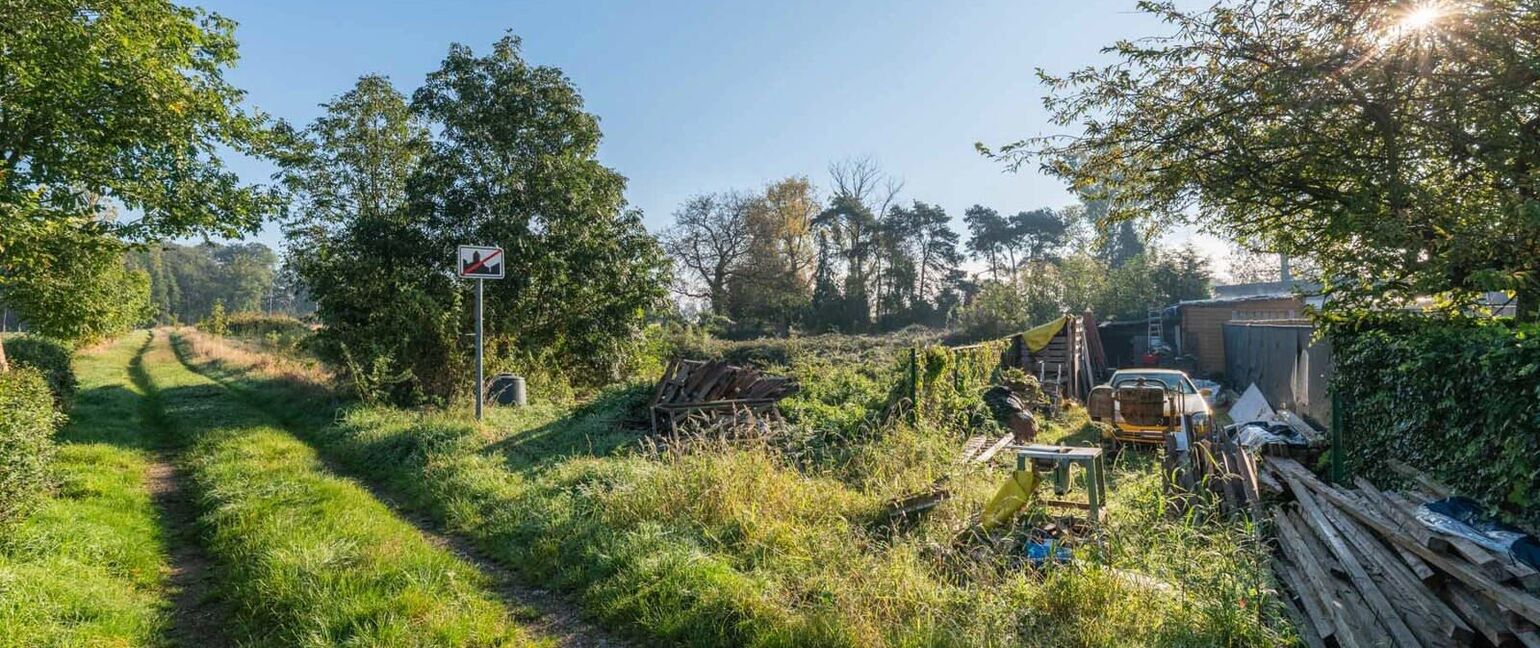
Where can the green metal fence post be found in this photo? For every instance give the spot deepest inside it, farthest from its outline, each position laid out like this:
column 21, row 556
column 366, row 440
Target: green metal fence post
column 1338, row 471
column 914, row 385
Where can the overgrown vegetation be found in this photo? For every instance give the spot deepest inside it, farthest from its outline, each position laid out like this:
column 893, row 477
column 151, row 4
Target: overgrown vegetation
column 26, row 441
column 307, row 558
column 750, row 544
column 1457, row 398
column 88, row 566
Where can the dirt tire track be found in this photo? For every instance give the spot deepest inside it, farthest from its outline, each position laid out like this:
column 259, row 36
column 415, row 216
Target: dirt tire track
column 198, row 616
column 540, row 612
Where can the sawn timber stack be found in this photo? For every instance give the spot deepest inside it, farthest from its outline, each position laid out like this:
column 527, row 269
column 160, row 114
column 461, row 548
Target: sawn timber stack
column 715, row 388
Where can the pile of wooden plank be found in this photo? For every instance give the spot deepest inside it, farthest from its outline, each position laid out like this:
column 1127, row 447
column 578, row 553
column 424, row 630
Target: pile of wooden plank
column 713, row 388
column 1213, row 471
column 1364, row 571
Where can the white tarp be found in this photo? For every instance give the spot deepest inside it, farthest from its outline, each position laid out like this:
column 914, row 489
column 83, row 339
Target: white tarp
column 1252, row 406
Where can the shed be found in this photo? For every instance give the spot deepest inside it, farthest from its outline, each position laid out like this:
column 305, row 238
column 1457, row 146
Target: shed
column 1199, row 325
column 1064, row 351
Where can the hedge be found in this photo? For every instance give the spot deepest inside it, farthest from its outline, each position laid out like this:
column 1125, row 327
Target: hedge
column 1457, row 399
column 27, row 421
column 49, row 356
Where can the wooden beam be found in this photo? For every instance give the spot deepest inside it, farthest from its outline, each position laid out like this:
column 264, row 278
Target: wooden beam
column 1521, row 603
column 1385, row 507
column 1420, row 478
column 1343, row 623
column 1435, row 622
column 1376, row 599
column 1319, row 626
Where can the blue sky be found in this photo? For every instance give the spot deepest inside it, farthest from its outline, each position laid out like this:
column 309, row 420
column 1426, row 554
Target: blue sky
column 698, row 96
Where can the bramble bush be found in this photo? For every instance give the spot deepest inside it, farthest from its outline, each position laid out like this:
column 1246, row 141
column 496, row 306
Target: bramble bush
column 1459, row 399
column 27, row 421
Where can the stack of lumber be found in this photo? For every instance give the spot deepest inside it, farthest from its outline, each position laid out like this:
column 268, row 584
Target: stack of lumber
column 1214, row 471
column 705, row 381
column 692, row 387
column 1365, row 572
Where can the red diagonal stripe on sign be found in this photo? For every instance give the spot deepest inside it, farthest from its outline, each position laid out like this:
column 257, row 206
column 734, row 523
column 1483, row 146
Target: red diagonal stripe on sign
column 477, row 265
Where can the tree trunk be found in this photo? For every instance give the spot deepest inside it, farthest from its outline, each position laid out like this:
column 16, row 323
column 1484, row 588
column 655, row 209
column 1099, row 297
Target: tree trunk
column 5, row 365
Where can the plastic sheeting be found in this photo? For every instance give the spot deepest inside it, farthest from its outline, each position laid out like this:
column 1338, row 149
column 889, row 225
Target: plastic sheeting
column 1038, row 337
column 1464, row 517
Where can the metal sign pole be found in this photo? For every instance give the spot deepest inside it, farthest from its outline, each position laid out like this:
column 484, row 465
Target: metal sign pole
column 480, row 382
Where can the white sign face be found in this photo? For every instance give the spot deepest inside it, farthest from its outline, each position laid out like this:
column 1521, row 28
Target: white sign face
column 480, row 262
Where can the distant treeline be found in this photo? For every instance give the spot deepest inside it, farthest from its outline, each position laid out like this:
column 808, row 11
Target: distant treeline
column 782, row 258
column 186, row 281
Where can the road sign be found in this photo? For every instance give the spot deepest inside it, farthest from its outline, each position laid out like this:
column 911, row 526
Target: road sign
column 480, row 262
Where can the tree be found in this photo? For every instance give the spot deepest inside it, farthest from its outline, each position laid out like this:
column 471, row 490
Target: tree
column 922, row 262
column 1401, row 155
column 861, row 193
column 987, row 234
column 709, row 240
column 773, row 285
column 489, row 150
column 186, row 281
column 514, row 162
column 89, row 296
column 117, row 105
column 1037, row 234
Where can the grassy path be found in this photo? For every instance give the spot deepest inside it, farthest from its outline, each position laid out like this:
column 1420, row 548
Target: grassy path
column 90, row 568
column 306, row 558
column 308, row 413
column 199, row 615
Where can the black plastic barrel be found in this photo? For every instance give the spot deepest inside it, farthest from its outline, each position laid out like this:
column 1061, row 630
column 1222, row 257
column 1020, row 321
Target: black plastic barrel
column 507, row 389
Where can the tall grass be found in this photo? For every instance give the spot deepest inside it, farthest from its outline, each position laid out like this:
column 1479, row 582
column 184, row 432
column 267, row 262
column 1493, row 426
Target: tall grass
column 734, row 544
column 87, row 568
column 304, row 557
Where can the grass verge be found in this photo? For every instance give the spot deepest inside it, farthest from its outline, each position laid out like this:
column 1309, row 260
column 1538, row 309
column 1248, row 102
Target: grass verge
column 738, row 545
column 306, row 558
column 87, row 568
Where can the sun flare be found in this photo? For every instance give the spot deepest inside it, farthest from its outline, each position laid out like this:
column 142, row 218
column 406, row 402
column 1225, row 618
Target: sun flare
column 1421, row 18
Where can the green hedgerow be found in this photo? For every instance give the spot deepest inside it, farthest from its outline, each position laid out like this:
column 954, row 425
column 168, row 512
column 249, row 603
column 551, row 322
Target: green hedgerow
column 27, row 421
column 50, row 357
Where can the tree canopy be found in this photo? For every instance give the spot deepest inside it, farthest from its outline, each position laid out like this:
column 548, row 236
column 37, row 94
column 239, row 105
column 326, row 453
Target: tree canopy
column 1400, row 155
column 491, row 150
column 116, row 107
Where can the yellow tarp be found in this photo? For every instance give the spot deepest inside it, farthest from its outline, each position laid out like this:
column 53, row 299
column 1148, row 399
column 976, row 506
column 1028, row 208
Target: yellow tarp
column 1013, row 496
column 1038, row 337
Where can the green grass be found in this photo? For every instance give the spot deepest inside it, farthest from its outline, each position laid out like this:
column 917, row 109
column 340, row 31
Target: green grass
column 88, row 567
column 751, row 545
column 305, row 558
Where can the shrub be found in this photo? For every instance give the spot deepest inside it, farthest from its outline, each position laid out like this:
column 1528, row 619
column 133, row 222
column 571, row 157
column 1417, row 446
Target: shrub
column 48, row 356
column 217, row 322
column 27, row 421
column 1459, row 399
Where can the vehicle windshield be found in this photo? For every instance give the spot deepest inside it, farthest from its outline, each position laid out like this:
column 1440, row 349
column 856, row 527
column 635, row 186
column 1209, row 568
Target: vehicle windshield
column 1171, row 381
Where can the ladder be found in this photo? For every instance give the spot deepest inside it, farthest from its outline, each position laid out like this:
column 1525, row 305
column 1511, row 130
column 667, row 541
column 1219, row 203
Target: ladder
column 1153, row 329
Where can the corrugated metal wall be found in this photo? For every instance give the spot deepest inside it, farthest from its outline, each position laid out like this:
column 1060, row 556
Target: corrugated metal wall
column 1290, row 370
